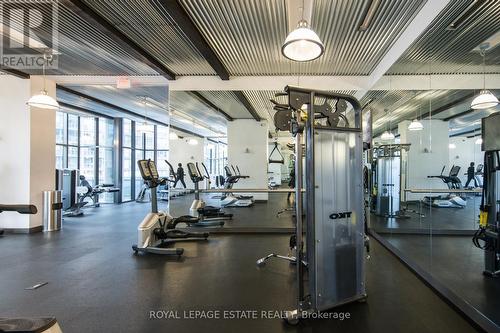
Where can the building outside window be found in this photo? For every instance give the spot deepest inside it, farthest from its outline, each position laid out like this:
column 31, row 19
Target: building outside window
column 150, row 143
column 86, row 144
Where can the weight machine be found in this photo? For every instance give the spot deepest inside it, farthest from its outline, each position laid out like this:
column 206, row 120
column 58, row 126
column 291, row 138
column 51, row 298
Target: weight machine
column 330, row 234
column 390, row 167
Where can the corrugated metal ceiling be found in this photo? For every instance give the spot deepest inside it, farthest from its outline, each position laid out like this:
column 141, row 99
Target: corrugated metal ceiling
column 129, row 99
column 398, row 105
column 227, row 102
column 188, row 105
column 147, row 24
column 449, row 51
column 84, row 50
column 247, row 35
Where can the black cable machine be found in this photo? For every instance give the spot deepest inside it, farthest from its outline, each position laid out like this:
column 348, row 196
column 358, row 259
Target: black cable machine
column 330, row 235
column 487, row 237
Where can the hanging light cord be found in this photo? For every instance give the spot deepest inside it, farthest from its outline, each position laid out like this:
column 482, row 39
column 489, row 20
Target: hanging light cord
column 145, row 110
column 483, row 54
column 45, row 60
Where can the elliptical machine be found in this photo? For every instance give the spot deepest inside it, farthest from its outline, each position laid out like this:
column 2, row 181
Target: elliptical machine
column 453, row 183
column 157, row 229
column 207, row 215
column 229, row 199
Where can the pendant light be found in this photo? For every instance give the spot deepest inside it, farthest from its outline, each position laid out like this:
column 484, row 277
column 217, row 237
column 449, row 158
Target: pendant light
column 144, row 127
column 415, row 125
column 43, row 100
column 387, row 136
column 485, row 99
column 302, row 44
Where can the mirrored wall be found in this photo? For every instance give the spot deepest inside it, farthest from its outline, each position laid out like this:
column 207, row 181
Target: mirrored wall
column 425, row 186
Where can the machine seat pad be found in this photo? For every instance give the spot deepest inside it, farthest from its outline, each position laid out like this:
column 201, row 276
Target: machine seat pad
column 188, row 219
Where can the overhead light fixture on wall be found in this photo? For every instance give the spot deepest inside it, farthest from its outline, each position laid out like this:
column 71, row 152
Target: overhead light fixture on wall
column 479, row 141
column 43, row 100
column 452, row 146
column 302, row 44
column 173, row 136
column 485, row 99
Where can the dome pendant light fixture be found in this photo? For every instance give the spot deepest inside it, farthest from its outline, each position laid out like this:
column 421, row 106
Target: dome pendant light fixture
column 485, row 99
column 302, row 44
column 415, row 125
column 42, row 100
column 387, row 136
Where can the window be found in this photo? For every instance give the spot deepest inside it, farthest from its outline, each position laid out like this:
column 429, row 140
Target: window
column 162, row 140
column 216, row 158
column 162, row 137
column 72, row 129
column 150, row 138
column 87, row 164
column 139, row 139
column 60, row 156
column 126, row 189
column 87, row 131
column 106, row 132
column 72, row 157
column 86, row 144
column 61, row 127
column 163, row 169
column 139, row 155
column 127, row 133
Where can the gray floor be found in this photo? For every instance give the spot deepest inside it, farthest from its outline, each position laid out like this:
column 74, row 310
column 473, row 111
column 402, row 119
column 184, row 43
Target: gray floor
column 96, row 284
column 434, row 218
column 457, row 263
column 259, row 216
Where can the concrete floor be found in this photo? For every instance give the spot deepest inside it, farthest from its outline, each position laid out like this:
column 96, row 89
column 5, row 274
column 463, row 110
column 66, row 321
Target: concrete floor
column 96, row 283
column 456, row 262
column 435, row 219
column 259, row 216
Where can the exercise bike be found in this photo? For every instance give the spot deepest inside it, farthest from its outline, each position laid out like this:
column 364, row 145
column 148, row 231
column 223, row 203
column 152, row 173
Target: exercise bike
column 208, row 215
column 158, row 229
column 42, row 325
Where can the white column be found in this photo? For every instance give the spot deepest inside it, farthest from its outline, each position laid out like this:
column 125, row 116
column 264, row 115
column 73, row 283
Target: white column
column 247, row 144
column 428, row 154
column 42, row 149
column 27, row 143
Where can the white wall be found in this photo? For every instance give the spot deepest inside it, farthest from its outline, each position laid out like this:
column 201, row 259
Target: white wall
column 466, row 151
column 14, row 148
column 428, row 154
column 182, row 152
column 247, row 144
column 27, row 143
